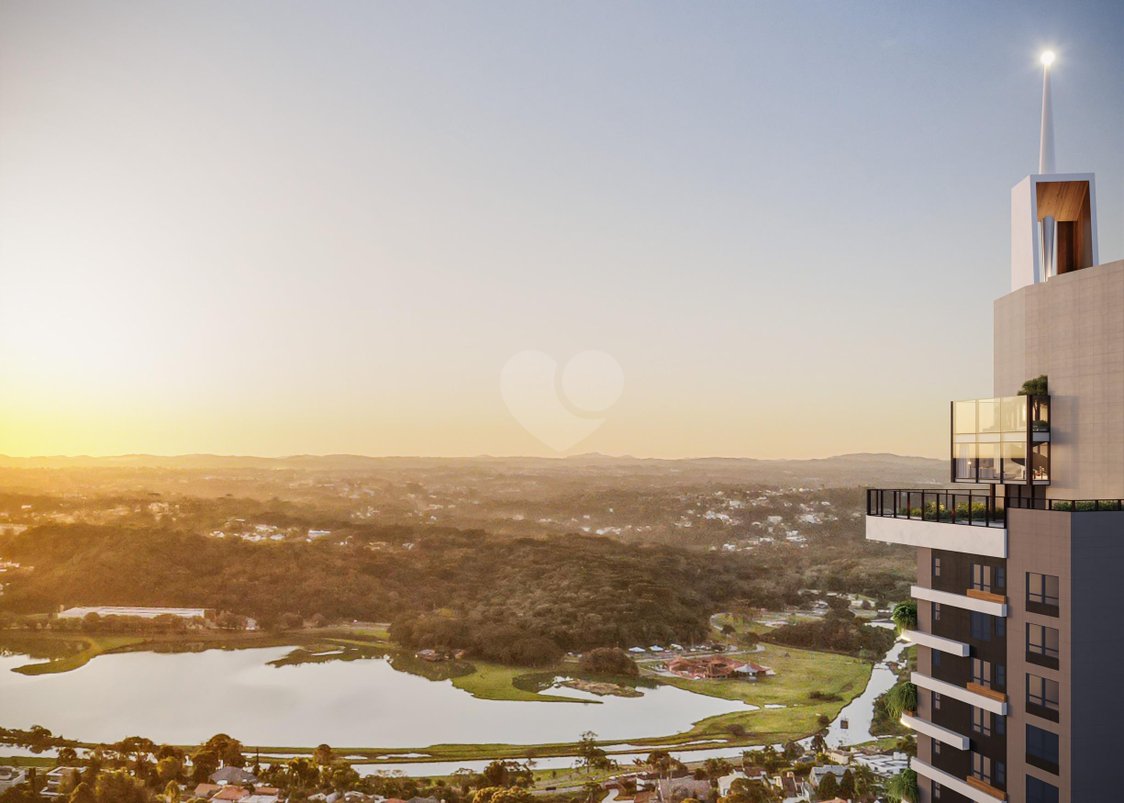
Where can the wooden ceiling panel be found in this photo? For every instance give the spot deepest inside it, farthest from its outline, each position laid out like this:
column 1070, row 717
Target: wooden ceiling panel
column 1062, row 200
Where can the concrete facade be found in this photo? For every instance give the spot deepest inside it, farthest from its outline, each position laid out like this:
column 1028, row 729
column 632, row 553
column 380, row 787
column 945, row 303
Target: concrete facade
column 1071, row 328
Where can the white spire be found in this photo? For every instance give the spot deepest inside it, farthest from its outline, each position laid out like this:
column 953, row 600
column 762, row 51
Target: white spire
column 1046, row 139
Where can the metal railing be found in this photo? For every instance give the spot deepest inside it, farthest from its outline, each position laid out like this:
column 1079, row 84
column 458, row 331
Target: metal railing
column 978, row 508
column 1069, row 505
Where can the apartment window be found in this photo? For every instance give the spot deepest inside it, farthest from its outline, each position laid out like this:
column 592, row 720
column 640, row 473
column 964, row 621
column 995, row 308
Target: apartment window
column 1042, row 697
column 936, row 566
column 981, row 626
column 1042, row 749
column 936, row 701
column 936, row 611
column 1042, row 593
column 981, row 672
column 981, row 768
column 1000, row 626
column 936, row 746
column 1000, row 774
column 936, row 791
column 1038, row 791
column 1042, row 645
column 981, row 577
column 981, row 721
column 936, row 659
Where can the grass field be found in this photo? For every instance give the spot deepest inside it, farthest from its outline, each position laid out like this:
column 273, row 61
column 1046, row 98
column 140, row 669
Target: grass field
column 94, row 646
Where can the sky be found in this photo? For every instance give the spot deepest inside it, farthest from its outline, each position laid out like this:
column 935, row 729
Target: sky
column 662, row 229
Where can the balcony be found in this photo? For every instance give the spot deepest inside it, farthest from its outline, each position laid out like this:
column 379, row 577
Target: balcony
column 974, row 522
column 972, row 693
column 991, row 604
column 974, row 790
column 942, row 735
column 1001, row 441
column 939, row 643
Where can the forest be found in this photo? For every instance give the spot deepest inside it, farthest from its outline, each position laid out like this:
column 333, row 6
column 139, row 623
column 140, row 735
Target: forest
column 519, row 600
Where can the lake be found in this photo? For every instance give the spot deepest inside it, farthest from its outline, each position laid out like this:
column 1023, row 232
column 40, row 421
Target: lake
column 185, row 698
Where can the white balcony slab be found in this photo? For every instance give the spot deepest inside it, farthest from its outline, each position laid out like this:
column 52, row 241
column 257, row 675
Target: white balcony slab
column 969, row 539
column 947, row 645
column 950, row 781
column 944, row 735
column 959, row 693
column 962, row 601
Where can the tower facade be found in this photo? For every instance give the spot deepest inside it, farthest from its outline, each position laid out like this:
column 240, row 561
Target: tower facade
column 1020, row 562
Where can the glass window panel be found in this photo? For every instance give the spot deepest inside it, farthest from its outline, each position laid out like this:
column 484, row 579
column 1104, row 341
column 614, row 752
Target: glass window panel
column 1040, row 461
column 987, row 415
column 1014, row 462
column 1040, row 414
column 964, row 461
column 987, row 456
column 1013, row 413
column 964, row 417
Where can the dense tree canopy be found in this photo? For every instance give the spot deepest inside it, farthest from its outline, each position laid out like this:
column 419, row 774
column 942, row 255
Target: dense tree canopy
column 517, row 600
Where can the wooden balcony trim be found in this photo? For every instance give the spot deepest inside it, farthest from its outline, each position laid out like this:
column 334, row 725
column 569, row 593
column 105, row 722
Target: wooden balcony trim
column 987, row 596
column 986, row 788
column 986, row 692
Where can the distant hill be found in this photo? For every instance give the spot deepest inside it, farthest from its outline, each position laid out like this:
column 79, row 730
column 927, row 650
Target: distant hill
column 840, row 470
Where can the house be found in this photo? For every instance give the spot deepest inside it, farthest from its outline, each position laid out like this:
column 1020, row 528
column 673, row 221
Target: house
column 60, row 779
column 676, row 789
column 816, row 776
column 726, row 781
column 205, row 789
column 233, row 775
column 789, row 786
column 231, row 793
column 11, row 776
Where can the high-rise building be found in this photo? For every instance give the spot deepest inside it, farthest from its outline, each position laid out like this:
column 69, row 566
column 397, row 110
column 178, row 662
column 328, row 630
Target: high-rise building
column 1020, row 646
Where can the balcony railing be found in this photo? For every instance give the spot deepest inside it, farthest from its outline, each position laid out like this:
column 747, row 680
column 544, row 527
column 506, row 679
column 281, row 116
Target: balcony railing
column 1069, row 505
column 950, row 507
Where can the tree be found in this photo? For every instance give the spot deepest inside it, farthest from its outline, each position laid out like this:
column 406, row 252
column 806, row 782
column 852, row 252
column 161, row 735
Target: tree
column 609, row 661
column 743, row 790
column 67, row 756
column 714, row 768
column 228, row 750
column 168, row 769
column 828, row 788
column 82, row 794
column 902, row 787
column 905, row 615
column 117, row 786
column 204, row 763
column 819, row 742
column 172, row 792
column 901, row 697
column 590, row 756
column 847, row 785
column 323, row 755
column 865, row 780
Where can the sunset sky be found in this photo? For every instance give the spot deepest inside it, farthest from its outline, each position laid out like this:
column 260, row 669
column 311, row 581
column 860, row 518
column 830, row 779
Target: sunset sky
column 289, row 227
